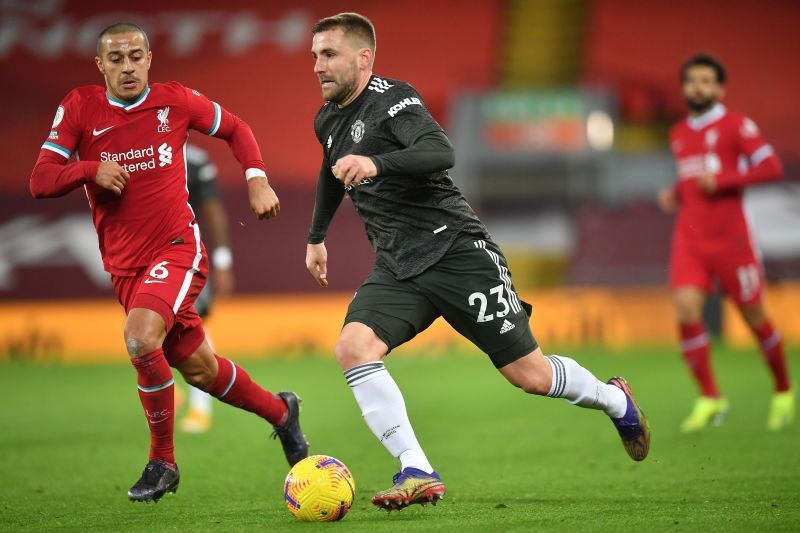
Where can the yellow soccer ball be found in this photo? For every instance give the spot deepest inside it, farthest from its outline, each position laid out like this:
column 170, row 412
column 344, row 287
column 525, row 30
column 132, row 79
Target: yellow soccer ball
column 319, row 489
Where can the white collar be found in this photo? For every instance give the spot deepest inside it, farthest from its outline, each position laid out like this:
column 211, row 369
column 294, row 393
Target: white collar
column 128, row 105
column 709, row 117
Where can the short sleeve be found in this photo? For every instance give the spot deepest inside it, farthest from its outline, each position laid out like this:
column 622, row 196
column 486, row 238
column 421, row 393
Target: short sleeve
column 65, row 131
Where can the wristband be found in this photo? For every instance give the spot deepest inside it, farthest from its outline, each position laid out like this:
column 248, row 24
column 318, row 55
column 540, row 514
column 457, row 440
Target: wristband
column 222, row 258
column 251, row 173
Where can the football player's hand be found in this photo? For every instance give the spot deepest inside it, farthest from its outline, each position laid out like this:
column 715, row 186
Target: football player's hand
column 353, row 169
column 317, row 262
column 667, row 200
column 223, row 281
column 707, row 182
column 263, row 200
column 111, row 176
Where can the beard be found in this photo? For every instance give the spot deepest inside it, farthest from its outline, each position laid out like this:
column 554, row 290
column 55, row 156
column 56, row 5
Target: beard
column 700, row 105
column 345, row 86
column 343, row 92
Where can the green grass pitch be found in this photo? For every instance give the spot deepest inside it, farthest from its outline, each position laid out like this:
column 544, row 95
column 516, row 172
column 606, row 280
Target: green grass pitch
column 74, row 439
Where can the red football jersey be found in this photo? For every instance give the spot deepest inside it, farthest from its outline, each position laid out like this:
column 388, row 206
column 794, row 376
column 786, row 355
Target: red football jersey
column 731, row 147
column 147, row 137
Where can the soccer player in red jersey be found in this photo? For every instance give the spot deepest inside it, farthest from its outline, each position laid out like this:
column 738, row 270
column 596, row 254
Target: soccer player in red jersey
column 719, row 153
column 129, row 142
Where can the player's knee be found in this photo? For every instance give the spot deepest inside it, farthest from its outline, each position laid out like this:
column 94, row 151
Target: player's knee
column 144, row 332
column 140, row 344
column 346, row 353
column 688, row 313
column 142, row 336
column 351, row 351
column 688, row 307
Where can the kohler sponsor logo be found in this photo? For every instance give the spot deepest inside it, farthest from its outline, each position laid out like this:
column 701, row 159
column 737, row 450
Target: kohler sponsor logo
column 402, row 104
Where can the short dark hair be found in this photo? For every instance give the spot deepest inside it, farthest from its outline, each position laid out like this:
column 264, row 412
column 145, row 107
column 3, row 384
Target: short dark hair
column 121, row 27
column 354, row 23
column 704, row 60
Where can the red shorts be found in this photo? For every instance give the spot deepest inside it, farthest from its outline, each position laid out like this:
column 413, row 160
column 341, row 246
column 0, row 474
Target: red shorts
column 169, row 286
column 737, row 270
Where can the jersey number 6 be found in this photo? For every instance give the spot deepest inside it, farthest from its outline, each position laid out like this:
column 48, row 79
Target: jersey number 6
column 159, row 271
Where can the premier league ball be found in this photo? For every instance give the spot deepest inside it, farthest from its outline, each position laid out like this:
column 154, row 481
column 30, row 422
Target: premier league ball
column 319, row 489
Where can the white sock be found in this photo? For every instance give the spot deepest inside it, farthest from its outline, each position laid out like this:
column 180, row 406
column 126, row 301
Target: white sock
column 199, row 400
column 580, row 387
column 384, row 410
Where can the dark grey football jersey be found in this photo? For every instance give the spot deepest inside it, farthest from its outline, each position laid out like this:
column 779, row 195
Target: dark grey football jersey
column 201, row 176
column 410, row 220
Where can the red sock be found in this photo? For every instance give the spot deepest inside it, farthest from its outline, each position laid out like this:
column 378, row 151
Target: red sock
column 696, row 352
column 234, row 387
column 156, row 392
column 772, row 348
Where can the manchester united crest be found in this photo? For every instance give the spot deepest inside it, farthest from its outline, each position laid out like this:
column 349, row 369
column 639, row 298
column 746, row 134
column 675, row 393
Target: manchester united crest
column 357, row 131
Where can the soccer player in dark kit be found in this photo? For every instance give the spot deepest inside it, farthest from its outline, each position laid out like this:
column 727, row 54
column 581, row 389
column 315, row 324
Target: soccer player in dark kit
column 129, row 140
column 206, row 202
column 435, row 258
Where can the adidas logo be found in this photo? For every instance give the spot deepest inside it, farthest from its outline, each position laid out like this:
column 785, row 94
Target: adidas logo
column 379, row 85
column 507, row 326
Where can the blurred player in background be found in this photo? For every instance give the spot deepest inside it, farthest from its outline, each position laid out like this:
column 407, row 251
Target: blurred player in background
column 434, row 257
column 719, row 153
column 129, row 140
column 207, row 205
